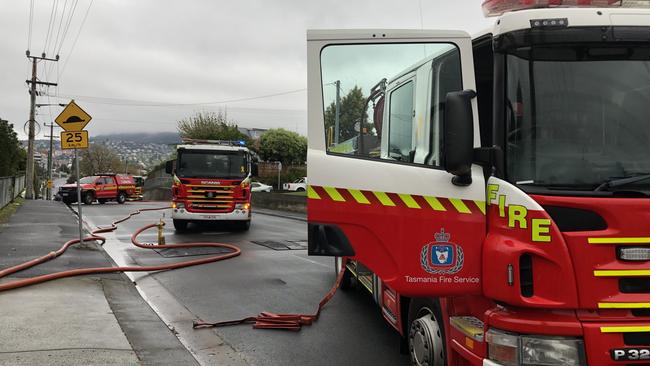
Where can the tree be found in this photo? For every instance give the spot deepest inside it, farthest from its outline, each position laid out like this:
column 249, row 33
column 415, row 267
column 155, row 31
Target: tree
column 209, row 126
column 12, row 156
column 285, row 146
column 99, row 159
column 351, row 112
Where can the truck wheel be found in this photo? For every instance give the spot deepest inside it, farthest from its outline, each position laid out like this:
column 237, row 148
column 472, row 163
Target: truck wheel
column 88, row 198
column 426, row 333
column 242, row 225
column 180, row 225
column 101, row 200
column 346, row 281
column 121, row 198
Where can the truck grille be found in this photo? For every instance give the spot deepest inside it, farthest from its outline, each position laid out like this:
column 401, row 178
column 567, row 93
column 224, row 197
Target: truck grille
column 210, row 198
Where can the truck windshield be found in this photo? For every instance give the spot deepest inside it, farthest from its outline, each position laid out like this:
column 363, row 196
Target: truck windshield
column 87, row 180
column 577, row 116
column 211, row 164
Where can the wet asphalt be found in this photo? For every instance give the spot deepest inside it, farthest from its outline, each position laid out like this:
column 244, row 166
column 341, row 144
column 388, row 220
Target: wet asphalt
column 349, row 331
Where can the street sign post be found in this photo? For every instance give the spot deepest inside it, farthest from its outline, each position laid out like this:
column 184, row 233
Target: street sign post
column 73, row 119
column 74, row 139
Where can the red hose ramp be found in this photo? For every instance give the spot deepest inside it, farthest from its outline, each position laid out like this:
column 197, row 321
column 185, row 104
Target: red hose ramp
column 267, row 320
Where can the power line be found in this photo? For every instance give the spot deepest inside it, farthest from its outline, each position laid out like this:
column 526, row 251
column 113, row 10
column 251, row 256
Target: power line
column 31, row 22
column 76, row 39
column 67, row 26
column 55, row 8
column 141, row 103
column 56, row 40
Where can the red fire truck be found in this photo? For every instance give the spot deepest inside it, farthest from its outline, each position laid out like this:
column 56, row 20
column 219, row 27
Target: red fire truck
column 495, row 197
column 211, row 182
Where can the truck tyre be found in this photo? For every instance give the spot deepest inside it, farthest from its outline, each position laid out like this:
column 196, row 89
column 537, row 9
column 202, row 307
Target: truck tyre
column 101, row 200
column 426, row 337
column 88, row 198
column 346, row 281
column 180, row 225
column 121, row 198
column 242, row 225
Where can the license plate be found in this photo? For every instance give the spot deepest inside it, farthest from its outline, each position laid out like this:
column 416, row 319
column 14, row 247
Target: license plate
column 210, row 217
column 630, row 354
column 64, row 194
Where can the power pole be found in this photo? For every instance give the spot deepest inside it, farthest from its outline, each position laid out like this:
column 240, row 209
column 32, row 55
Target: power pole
column 29, row 185
column 50, row 160
column 338, row 111
column 49, row 154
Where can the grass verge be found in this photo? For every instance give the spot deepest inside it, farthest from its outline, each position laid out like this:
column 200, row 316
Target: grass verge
column 301, row 193
column 8, row 210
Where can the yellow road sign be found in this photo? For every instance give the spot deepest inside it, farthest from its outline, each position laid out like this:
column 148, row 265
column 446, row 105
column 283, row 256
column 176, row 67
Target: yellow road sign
column 49, row 184
column 73, row 118
column 74, row 139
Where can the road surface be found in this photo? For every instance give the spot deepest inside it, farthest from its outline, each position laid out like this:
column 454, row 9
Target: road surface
column 350, row 330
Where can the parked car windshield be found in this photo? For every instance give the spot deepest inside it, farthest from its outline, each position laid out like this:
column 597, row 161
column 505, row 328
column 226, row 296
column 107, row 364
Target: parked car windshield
column 577, row 116
column 212, row 164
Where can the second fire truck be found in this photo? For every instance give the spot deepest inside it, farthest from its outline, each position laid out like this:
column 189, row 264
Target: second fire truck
column 211, row 182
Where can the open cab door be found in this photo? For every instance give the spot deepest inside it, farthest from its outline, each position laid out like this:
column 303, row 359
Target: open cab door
column 392, row 126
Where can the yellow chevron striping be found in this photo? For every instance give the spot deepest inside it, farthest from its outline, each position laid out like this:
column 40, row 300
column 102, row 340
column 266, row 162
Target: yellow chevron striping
column 408, row 200
column 624, row 305
column 621, row 273
column 481, row 206
column 459, row 205
column 358, row 196
column 311, row 193
column 334, row 194
column 434, row 203
column 618, row 240
column 384, row 199
column 626, row 329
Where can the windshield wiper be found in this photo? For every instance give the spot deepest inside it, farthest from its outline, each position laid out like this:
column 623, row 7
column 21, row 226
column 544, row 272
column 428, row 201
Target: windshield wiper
column 611, row 183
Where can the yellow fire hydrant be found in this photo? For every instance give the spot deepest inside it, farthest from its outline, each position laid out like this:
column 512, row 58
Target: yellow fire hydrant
column 161, row 236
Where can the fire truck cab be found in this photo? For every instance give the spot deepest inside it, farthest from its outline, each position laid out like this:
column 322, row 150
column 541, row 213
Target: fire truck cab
column 496, row 197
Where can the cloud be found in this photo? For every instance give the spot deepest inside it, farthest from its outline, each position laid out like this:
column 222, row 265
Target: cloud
column 194, row 51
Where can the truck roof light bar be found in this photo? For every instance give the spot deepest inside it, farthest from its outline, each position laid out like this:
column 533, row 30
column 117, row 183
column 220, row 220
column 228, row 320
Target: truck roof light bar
column 214, row 142
column 498, row 7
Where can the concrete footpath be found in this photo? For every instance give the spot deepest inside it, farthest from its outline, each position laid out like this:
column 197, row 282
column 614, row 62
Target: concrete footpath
column 88, row 320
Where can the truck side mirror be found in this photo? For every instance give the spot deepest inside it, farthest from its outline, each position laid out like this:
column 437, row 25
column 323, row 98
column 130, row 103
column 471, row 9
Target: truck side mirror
column 254, row 169
column 458, row 145
column 169, row 167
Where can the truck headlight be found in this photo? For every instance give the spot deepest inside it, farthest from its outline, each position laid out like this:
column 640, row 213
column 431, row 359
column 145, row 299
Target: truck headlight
column 242, row 206
column 515, row 350
column 178, row 205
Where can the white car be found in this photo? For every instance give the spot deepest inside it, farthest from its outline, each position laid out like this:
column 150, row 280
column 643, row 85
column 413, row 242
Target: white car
column 300, row 185
column 260, row 187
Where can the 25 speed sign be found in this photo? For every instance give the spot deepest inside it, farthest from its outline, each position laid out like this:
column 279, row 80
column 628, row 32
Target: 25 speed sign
column 74, row 139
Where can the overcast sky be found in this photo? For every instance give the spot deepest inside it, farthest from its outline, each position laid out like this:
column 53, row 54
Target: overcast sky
column 132, row 54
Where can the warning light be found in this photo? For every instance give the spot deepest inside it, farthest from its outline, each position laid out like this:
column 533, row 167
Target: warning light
column 498, row 7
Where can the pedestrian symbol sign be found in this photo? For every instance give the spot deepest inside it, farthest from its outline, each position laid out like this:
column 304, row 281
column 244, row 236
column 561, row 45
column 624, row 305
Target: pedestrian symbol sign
column 73, row 118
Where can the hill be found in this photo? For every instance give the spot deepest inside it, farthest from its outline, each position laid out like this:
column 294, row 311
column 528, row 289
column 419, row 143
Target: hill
column 163, row 138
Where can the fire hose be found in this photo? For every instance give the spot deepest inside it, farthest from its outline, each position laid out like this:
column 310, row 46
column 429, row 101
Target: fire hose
column 265, row 320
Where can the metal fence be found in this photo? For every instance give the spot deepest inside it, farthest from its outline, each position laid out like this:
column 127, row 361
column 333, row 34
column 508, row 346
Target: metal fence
column 10, row 188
